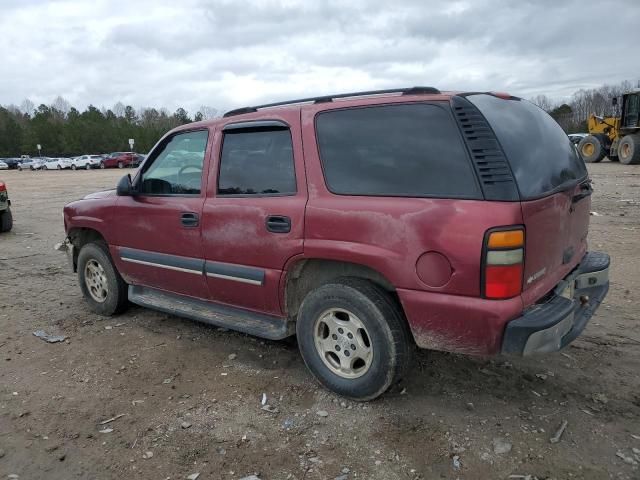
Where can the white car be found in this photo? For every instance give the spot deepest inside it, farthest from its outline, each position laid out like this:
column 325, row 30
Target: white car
column 4, row 166
column 56, row 164
column 86, row 161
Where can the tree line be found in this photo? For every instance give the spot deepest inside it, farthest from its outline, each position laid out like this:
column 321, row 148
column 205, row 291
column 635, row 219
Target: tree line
column 572, row 115
column 63, row 131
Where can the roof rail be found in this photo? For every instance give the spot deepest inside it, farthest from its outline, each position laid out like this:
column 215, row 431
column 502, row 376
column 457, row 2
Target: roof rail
column 330, row 98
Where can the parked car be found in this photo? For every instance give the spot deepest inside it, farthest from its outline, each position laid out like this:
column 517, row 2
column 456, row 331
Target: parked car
column 86, row 161
column 32, row 164
column 364, row 223
column 576, row 137
column 3, row 165
column 6, row 218
column 57, row 164
column 12, row 162
column 118, row 159
column 137, row 161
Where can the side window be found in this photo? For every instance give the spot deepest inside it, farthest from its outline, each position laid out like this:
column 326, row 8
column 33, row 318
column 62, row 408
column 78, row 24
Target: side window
column 176, row 168
column 412, row 150
column 257, row 161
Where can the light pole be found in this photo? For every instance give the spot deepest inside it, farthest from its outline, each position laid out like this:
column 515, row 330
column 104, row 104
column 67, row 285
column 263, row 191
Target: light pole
column 39, row 147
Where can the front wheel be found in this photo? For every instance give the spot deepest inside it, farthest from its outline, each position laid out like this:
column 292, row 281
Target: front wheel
column 102, row 286
column 87, row 167
column 73, row 166
column 353, row 337
column 6, row 220
column 120, row 165
column 592, row 149
column 102, row 165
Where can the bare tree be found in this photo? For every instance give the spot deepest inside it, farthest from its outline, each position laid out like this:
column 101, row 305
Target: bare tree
column 27, row 107
column 543, row 102
column 61, row 105
column 208, row 113
column 118, row 109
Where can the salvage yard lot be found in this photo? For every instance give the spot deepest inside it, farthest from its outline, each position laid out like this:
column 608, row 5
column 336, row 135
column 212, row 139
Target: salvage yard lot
column 191, row 393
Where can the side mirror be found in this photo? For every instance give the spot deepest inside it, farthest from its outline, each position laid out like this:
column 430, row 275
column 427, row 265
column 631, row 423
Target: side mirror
column 124, row 187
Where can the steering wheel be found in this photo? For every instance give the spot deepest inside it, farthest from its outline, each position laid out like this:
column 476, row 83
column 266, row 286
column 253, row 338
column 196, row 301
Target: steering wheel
column 186, row 167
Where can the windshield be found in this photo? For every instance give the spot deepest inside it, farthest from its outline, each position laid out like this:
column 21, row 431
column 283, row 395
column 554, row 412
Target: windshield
column 542, row 157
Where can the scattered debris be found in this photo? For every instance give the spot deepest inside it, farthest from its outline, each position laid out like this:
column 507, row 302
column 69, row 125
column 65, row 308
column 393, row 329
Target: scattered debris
column 558, row 435
column 322, row 413
column 147, row 455
column 456, row 462
column 269, row 408
column 287, row 424
column 120, row 415
column 167, row 381
column 600, row 398
column 541, row 376
column 49, row 338
column 264, row 399
column 136, row 402
column 626, row 459
column 501, row 446
column 106, row 430
column 595, row 214
column 637, row 437
column 403, row 392
column 193, row 476
column 251, row 477
column 470, row 406
column 342, row 477
column 233, row 356
column 488, row 372
column 185, row 425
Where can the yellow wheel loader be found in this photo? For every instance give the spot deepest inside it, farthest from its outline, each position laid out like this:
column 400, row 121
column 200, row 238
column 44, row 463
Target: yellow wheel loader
column 615, row 137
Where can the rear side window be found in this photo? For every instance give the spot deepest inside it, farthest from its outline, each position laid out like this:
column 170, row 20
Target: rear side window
column 257, row 162
column 542, row 157
column 395, row 150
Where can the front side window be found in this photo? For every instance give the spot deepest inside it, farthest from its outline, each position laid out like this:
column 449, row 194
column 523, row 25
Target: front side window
column 257, row 161
column 409, row 150
column 176, row 166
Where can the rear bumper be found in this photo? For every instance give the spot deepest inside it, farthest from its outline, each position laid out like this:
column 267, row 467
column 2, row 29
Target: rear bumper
column 551, row 326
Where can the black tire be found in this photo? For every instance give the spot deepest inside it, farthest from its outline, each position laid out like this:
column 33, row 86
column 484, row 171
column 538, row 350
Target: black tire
column 115, row 300
column 120, row 165
column 87, row 167
column 73, row 166
column 629, row 150
column 44, row 167
column 6, row 220
column 387, row 332
column 20, row 167
column 591, row 149
column 59, row 167
column 102, row 165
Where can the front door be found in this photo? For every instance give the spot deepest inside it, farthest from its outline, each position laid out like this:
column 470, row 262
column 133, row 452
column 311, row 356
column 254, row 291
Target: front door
column 253, row 221
column 159, row 227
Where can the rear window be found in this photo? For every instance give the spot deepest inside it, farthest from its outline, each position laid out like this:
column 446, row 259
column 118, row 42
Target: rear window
column 395, row 150
column 542, row 157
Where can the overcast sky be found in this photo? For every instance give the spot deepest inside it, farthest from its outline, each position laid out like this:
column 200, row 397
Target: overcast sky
column 232, row 53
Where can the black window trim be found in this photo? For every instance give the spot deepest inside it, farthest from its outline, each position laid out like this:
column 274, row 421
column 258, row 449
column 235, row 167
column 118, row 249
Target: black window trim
column 444, row 105
column 163, row 141
column 268, row 125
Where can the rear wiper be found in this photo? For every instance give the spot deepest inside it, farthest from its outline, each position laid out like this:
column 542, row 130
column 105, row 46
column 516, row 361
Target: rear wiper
column 585, row 190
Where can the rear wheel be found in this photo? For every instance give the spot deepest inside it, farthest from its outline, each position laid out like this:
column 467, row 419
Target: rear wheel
column 73, row 166
column 102, row 165
column 87, row 167
column 120, row 165
column 592, row 149
column 59, row 167
column 353, row 337
column 629, row 149
column 6, row 220
column 20, row 167
column 102, row 286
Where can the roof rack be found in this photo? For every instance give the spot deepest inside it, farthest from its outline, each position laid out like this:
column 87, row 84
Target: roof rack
column 330, row 98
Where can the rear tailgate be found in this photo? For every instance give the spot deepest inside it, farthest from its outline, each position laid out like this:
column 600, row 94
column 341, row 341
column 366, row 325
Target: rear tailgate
column 553, row 186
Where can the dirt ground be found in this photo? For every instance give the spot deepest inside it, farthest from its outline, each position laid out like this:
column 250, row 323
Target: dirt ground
column 190, row 394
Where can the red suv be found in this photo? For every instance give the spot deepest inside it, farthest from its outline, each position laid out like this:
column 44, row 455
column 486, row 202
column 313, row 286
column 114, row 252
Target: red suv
column 364, row 223
column 119, row 159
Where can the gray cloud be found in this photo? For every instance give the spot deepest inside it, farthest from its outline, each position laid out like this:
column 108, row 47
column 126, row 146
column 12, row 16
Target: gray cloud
column 228, row 53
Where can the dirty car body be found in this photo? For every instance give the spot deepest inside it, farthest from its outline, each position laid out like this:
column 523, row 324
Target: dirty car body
column 428, row 199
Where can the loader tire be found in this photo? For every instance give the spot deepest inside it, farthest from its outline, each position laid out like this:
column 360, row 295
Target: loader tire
column 629, row 150
column 592, row 149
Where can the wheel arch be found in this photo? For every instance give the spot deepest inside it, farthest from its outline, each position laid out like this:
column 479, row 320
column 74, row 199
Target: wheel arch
column 80, row 236
column 302, row 275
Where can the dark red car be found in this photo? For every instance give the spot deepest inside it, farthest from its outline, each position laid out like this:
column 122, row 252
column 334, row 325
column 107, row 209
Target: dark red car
column 119, row 160
column 364, row 223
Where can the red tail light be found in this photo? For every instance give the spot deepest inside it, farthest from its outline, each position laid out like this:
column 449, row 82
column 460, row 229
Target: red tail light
column 503, row 263
column 3, row 187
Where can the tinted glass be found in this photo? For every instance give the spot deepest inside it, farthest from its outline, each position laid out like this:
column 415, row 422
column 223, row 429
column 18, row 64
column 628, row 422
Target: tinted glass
column 258, row 161
column 176, row 168
column 541, row 156
column 395, row 150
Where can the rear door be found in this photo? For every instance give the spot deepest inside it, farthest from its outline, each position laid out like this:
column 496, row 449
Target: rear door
column 553, row 185
column 253, row 221
column 158, row 230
